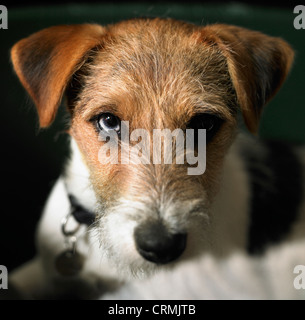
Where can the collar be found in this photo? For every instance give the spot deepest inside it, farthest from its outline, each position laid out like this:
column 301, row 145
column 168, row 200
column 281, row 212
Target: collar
column 80, row 214
column 70, row 261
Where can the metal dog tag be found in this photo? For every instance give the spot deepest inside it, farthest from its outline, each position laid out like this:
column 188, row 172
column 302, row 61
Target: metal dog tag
column 69, row 263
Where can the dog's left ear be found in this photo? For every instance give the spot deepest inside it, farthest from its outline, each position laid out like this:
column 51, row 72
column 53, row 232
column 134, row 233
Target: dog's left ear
column 46, row 61
column 257, row 63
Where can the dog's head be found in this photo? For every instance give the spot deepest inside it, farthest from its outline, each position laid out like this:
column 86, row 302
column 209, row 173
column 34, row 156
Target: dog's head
column 151, row 74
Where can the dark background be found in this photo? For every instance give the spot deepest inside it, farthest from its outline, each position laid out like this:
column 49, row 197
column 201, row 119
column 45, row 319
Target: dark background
column 32, row 159
column 266, row 3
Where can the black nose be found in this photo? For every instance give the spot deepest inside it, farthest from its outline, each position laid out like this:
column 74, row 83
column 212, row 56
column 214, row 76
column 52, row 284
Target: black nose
column 155, row 243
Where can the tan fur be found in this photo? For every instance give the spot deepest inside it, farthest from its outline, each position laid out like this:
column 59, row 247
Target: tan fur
column 248, row 54
column 154, row 73
column 46, row 60
column 131, row 78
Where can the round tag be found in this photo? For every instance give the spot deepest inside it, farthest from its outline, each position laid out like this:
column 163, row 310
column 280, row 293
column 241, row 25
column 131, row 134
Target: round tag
column 69, row 263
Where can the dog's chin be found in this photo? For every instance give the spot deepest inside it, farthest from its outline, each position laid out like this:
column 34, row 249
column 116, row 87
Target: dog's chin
column 138, row 267
column 132, row 265
column 115, row 231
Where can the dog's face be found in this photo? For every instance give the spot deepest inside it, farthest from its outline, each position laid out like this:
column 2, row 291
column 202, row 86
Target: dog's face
column 153, row 74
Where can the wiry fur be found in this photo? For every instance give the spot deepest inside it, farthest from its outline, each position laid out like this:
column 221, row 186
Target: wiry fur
column 154, row 73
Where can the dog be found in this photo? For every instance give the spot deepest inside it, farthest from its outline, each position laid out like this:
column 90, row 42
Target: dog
column 106, row 224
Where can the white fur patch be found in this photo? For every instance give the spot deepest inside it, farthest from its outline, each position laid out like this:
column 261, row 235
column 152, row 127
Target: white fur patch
column 77, row 179
column 117, row 233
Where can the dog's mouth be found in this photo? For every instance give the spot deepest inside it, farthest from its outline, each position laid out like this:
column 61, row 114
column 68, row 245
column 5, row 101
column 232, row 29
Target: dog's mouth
column 157, row 244
column 138, row 239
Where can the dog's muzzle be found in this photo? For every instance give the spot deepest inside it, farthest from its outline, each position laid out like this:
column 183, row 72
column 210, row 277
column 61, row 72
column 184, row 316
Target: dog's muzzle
column 157, row 244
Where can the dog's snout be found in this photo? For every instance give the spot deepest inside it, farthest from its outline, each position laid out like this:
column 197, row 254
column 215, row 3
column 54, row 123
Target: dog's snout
column 156, row 244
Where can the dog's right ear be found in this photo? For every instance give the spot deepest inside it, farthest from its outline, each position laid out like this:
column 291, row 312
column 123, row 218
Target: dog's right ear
column 46, row 61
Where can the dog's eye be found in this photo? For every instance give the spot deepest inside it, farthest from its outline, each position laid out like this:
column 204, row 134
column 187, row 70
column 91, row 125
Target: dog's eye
column 108, row 121
column 206, row 121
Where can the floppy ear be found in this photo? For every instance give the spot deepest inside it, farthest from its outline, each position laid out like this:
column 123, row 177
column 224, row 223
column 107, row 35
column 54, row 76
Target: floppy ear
column 257, row 63
column 46, row 61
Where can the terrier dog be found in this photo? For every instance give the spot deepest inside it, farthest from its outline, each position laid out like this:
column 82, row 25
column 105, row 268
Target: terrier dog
column 105, row 223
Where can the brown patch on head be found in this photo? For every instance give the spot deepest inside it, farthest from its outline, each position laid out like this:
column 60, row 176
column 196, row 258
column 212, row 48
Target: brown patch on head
column 154, row 73
column 160, row 77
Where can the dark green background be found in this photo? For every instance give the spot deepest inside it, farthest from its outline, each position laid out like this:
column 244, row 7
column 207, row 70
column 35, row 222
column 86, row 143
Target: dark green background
column 32, row 159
